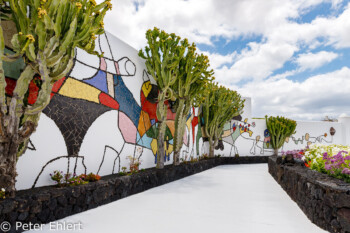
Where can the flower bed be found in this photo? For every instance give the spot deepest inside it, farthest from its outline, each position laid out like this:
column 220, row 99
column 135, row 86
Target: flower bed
column 46, row 204
column 332, row 160
column 324, row 199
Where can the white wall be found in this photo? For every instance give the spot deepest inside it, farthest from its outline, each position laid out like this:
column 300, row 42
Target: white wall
column 112, row 135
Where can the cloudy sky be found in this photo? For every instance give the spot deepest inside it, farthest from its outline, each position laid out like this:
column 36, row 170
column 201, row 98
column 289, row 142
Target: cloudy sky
column 292, row 57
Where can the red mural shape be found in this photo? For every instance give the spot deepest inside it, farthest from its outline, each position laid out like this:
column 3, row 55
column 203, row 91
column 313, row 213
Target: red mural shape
column 10, row 86
column 57, row 85
column 33, row 91
column 108, row 101
column 170, row 115
column 194, row 124
column 150, row 108
column 33, row 88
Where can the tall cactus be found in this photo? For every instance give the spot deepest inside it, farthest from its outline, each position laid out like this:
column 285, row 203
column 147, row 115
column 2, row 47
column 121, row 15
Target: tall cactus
column 48, row 33
column 194, row 74
column 220, row 105
column 280, row 128
column 163, row 55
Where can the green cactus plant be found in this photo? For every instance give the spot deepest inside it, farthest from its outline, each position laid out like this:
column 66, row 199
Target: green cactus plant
column 280, row 128
column 48, row 33
column 194, row 74
column 163, row 55
column 220, row 105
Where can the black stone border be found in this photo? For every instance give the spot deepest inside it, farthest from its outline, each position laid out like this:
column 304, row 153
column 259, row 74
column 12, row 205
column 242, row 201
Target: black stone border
column 46, row 204
column 324, row 199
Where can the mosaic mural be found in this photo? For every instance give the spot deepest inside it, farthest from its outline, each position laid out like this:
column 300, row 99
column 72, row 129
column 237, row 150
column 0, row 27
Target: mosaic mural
column 105, row 110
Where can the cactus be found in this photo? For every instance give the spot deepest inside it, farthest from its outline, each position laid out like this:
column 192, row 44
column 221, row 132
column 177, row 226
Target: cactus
column 48, row 33
column 280, row 128
column 220, row 105
column 163, row 55
column 194, row 74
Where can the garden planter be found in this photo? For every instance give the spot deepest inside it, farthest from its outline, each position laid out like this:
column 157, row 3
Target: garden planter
column 323, row 199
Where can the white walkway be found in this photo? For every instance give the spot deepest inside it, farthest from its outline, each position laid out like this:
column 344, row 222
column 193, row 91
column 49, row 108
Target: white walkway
column 230, row 198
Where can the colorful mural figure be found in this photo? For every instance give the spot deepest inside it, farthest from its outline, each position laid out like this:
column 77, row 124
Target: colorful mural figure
column 261, row 145
column 147, row 125
column 319, row 139
column 267, row 139
column 304, row 141
column 95, row 92
column 233, row 130
column 137, row 123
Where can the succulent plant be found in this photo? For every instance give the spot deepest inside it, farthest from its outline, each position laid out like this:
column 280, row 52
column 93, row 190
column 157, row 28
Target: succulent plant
column 220, row 105
column 280, row 128
column 163, row 54
column 189, row 87
column 48, row 31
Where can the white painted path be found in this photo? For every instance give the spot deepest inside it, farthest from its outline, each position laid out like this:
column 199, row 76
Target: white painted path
column 230, row 198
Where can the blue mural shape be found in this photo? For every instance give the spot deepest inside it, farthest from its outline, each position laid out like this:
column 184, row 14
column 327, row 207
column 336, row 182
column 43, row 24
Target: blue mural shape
column 99, row 81
column 126, row 100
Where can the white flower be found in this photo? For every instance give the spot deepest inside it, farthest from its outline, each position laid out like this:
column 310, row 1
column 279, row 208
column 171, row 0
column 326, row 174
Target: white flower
column 3, row 190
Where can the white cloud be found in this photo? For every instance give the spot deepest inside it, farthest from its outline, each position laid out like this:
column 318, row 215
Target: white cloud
column 282, row 41
column 217, row 60
column 258, row 62
column 276, row 22
column 311, row 61
column 335, row 29
column 319, row 96
column 200, row 20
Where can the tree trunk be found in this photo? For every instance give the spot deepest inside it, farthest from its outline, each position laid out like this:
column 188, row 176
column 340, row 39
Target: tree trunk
column 176, row 158
column 8, row 167
column 179, row 131
column 161, row 149
column 211, row 147
column 275, row 152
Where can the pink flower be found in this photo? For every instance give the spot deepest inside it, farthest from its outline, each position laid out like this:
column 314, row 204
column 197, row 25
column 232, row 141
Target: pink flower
column 346, row 171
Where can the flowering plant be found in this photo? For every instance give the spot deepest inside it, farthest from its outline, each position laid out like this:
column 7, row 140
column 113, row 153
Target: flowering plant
column 332, row 160
column 76, row 180
column 2, row 193
column 91, row 177
column 297, row 154
column 134, row 163
column 68, row 179
column 57, row 176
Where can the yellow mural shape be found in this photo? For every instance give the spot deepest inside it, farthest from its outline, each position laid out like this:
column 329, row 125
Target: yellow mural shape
column 188, row 123
column 168, row 148
column 241, row 130
column 75, row 89
column 144, row 123
column 146, row 88
column 154, row 146
column 226, row 133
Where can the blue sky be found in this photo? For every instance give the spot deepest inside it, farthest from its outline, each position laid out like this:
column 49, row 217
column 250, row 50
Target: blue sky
column 291, row 57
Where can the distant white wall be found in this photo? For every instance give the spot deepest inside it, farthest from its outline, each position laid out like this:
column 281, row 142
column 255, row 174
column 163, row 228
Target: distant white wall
column 250, row 137
column 345, row 121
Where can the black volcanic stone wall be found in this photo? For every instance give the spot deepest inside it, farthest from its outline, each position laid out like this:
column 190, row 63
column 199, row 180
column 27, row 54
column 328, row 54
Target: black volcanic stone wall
column 323, row 199
column 46, row 204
